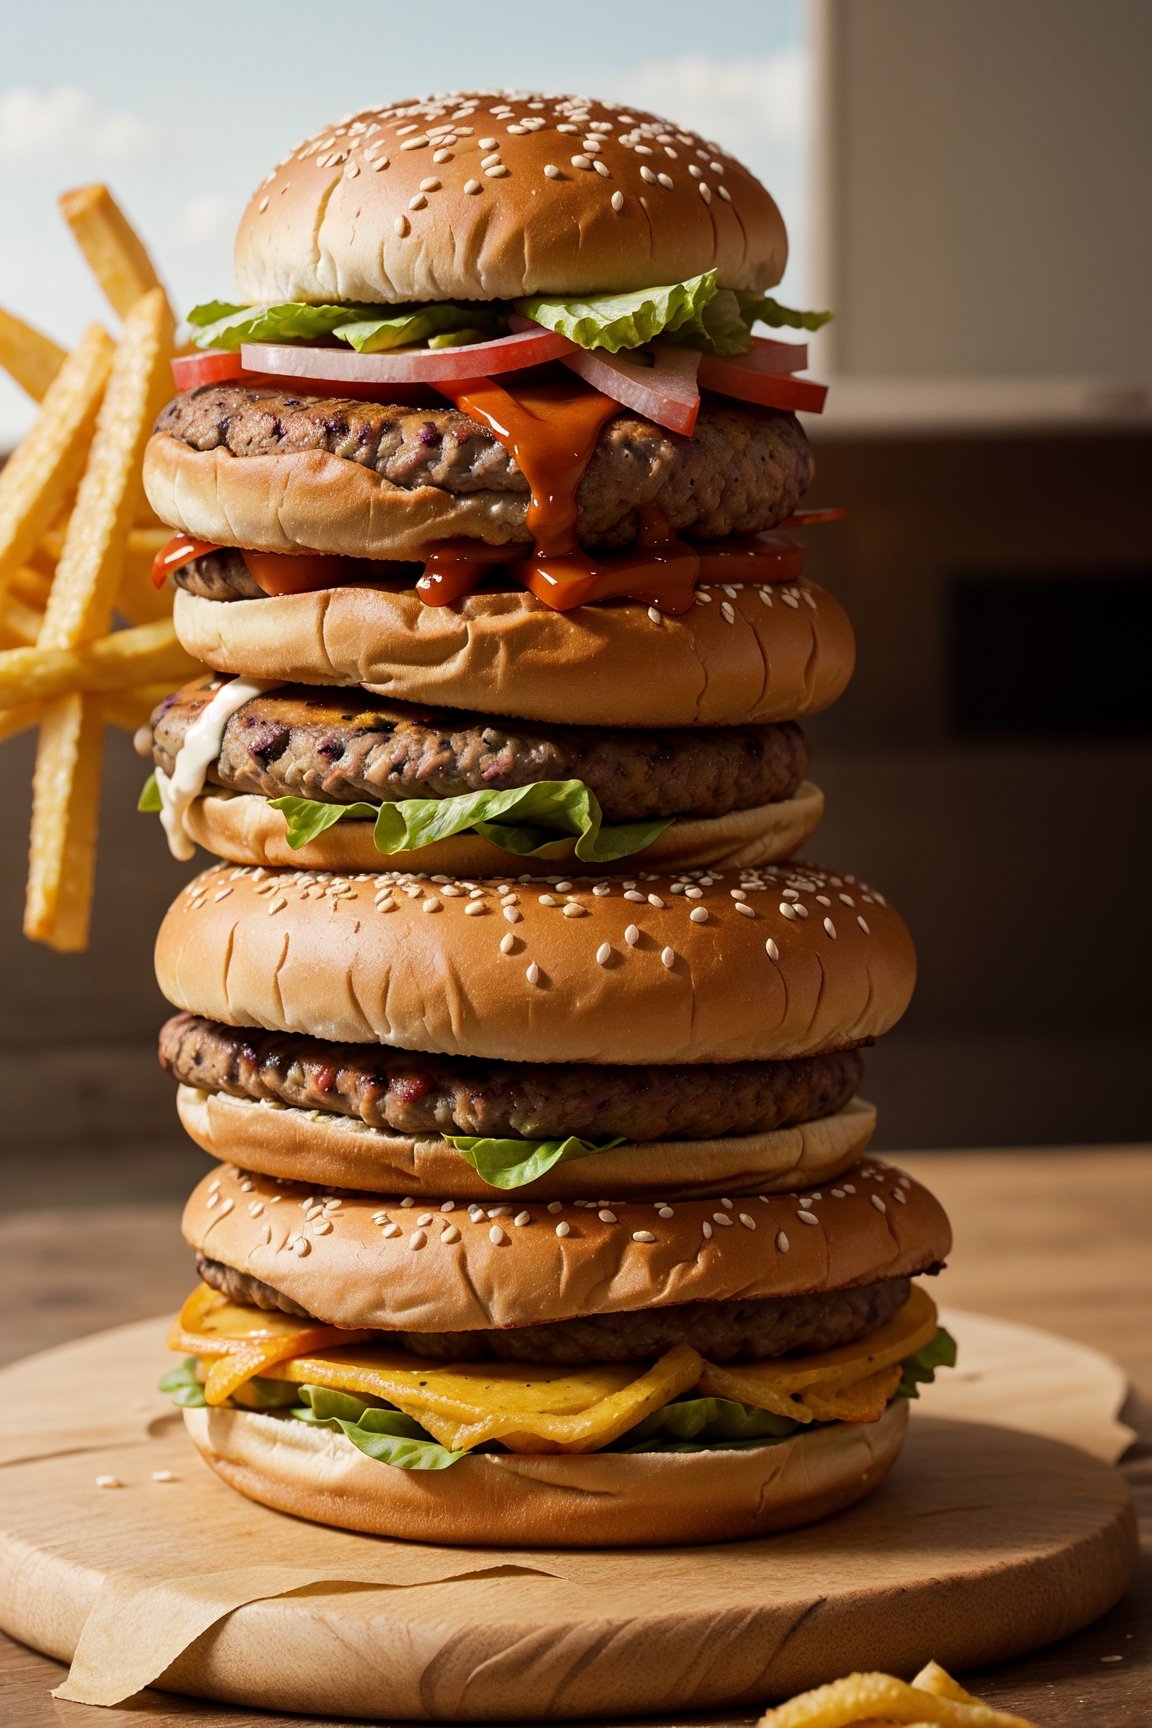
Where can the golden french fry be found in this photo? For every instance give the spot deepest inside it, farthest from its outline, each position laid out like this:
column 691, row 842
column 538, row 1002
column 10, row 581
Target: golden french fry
column 130, row 709
column 65, row 813
column 145, row 654
column 880, row 1698
column 932, row 1678
column 43, row 470
column 88, row 574
column 20, row 621
column 136, row 598
column 31, row 359
column 13, row 721
column 31, row 587
column 114, row 250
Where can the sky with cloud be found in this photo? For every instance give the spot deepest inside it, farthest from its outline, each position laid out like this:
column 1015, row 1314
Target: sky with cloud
column 182, row 111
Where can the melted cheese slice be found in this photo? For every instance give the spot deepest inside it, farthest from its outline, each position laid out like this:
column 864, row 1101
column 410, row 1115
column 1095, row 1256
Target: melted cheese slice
column 526, row 1408
column 538, row 1408
column 805, row 1386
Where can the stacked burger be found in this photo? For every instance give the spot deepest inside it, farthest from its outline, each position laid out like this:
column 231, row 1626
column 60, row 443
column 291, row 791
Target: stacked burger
column 543, row 1211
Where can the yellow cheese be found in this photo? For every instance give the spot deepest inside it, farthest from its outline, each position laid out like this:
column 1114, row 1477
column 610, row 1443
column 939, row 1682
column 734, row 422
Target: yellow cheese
column 795, row 1385
column 240, row 1343
column 528, row 1409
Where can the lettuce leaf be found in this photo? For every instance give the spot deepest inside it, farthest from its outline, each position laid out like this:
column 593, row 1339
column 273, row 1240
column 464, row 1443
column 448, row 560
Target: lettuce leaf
column 920, row 1370
column 382, row 1433
column 256, row 1394
column 369, row 329
column 615, row 321
column 694, row 1424
column 521, row 819
column 718, row 328
column 149, row 799
column 182, row 1385
column 762, row 309
column 513, row 1163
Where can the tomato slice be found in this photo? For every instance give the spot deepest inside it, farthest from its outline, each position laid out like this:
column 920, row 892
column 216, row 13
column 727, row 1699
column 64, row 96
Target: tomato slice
column 181, row 549
column 339, row 367
column 741, row 376
column 815, row 518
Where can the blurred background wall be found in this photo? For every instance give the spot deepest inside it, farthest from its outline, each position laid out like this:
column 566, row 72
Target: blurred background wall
column 966, row 182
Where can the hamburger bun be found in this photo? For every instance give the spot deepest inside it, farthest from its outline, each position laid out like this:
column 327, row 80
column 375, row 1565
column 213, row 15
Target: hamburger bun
column 593, row 1500
column 729, row 966
column 331, row 1151
column 433, row 199
column 766, row 654
column 363, row 1261
column 244, row 828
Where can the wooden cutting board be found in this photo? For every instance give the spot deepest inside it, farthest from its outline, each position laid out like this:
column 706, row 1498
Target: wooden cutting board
column 985, row 1542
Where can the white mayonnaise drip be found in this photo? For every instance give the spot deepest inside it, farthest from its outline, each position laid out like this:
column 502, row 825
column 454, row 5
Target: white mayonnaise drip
column 202, row 744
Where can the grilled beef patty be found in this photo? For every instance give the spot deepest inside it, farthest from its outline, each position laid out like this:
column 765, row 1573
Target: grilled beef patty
column 340, row 746
column 407, row 1093
column 721, row 1331
column 743, row 470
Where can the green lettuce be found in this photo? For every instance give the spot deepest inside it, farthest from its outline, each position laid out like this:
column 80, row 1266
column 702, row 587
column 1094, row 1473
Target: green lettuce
column 368, row 329
column 762, row 309
column 149, row 799
column 718, row 328
column 382, row 1433
column 920, row 1370
column 514, row 1163
column 257, row 1394
column 615, row 321
column 521, row 819
column 182, row 1385
column 695, row 1424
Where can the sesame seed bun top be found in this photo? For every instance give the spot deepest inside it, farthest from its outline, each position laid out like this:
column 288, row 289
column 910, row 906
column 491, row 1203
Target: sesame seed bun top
column 773, row 961
column 497, row 195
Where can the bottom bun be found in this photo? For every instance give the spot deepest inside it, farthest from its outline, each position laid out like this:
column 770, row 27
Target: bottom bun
column 244, row 828
column 593, row 1500
column 330, row 1151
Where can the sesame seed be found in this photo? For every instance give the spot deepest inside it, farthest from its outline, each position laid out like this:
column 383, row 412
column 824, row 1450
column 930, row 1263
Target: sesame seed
column 437, row 156
column 496, row 1236
column 452, row 1234
column 607, row 1217
column 665, row 181
column 277, row 905
column 694, row 893
column 163, row 1476
column 668, row 958
column 518, row 131
column 655, row 900
column 602, row 168
column 771, row 949
column 603, row 954
column 727, row 1203
column 431, row 184
column 728, row 611
column 490, row 161
column 863, row 923
column 414, row 143
column 563, row 1228
column 522, row 1218
column 575, row 910
column 634, row 895
column 532, row 973
column 705, row 192
column 807, row 1217
column 631, row 935
column 618, row 205
column 507, row 943
column 722, row 1218
column 643, row 1236
column 401, row 226
column 830, row 928
column 647, row 174
column 580, row 161
column 781, row 1242
column 877, row 1202
column 512, row 914
column 699, row 915
column 496, row 173
column 745, row 910
column 547, row 900
column 417, row 1239
column 748, row 1223
column 425, row 1218
column 301, row 1246
column 706, row 1230
column 431, row 904
column 487, row 143
column 472, row 186
column 109, row 1482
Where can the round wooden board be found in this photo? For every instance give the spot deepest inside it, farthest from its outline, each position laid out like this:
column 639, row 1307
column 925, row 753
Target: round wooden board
column 984, row 1543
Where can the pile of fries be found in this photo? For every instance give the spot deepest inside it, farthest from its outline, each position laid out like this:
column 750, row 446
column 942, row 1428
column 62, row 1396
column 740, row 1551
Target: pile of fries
column 85, row 640
column 933, row 1700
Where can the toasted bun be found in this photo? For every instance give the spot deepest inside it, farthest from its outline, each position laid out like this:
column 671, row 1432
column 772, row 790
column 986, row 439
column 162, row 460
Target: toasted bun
column 377, row 1263
column 245, row 829
column 331, row 1151
column 593, row 1500
column 659, row 969
column 493, row 196
column 764, row 655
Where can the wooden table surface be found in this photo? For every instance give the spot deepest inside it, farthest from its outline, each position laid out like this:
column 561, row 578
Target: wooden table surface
column 1058, row 1239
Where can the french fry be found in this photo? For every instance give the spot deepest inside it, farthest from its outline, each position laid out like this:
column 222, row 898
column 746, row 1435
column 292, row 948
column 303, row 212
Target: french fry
column 13, row 721
column 44, row 469
column 88, row 574
column 31, row 359
column 20, row 621
column 114, row 250
column 130, row 709
column 146, row 654
column 878, row 1699
column 136, row 598
column 65, row 813
column 30, row 586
